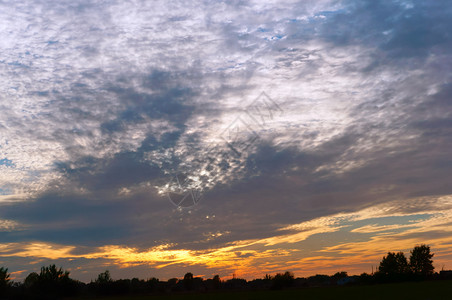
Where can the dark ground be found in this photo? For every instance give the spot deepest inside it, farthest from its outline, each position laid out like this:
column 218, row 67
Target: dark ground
column 431, row 290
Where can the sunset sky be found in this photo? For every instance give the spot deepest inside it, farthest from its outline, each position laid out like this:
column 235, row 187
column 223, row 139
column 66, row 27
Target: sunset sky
column 156, row 138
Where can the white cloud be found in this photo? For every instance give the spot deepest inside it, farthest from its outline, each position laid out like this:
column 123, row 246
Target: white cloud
column 85, row 82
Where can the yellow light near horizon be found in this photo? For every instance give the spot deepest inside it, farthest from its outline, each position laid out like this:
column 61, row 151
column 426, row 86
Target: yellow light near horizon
column 288, row 249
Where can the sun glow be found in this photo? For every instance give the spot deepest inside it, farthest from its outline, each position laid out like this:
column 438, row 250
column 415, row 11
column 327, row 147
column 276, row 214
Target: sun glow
column 258, row 256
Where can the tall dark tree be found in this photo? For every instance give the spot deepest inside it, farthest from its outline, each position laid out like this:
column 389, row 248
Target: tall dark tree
column 216, row 282
column 153, row 284
column 421, row 262
column 4, row 280
column 394, row 264
column 188, row 281
column 280, row 281
column 53, row 274
column 31, row 280
column 339, row 275
column 104, row 277
column 103, row 285
column 51, row 283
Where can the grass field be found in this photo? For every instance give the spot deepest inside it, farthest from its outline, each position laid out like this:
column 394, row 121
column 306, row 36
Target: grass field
column 431, row 290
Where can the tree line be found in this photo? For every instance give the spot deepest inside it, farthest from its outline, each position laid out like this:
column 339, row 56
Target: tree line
column 395, row 266
column 54, row 283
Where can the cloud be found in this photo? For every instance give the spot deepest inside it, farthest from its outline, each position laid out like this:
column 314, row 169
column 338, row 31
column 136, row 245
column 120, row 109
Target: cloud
column 290, row 247
column 104, row 103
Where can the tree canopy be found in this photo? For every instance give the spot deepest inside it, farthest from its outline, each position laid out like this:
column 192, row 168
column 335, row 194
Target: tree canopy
column 421, row 262
column 394, row 264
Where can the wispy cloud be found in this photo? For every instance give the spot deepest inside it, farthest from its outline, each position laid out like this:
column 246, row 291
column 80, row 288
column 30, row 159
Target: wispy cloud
column 103, row 103
column 294, row 249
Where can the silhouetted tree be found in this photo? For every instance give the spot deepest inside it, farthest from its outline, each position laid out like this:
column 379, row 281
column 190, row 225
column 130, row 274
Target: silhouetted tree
column 281, row 281
column 103, row 285
column 153, row 284
column 104, row 277
column 421, row 262
column 340, row 275
column 52, row 274
column 188, row 281
column 318, row 280
column 394, row 264
column 216, row 282
column 51, row 283
column 31, row 280
column 121, row 286
column 172, row 283
column 138, row 286
column 235, row 283
column 4, row 280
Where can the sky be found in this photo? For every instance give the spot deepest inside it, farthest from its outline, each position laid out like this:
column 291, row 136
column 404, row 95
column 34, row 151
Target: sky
column 156, row 138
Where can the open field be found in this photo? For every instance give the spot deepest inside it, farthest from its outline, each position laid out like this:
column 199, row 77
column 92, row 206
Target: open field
column 432, row 290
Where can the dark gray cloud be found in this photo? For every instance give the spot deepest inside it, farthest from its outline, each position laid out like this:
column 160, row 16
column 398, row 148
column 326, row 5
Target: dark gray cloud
column 103, row 103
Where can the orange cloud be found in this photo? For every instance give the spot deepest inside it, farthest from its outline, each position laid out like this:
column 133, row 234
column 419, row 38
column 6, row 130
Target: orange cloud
column 292, row 248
